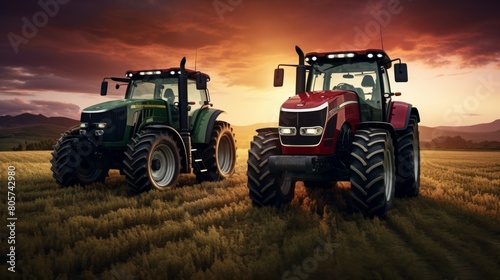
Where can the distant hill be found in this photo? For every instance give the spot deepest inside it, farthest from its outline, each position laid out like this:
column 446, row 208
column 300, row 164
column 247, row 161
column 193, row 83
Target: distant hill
column 34, row 128
column 30, row 128
column 483, row 127
column 26, row 120
column 475, row 133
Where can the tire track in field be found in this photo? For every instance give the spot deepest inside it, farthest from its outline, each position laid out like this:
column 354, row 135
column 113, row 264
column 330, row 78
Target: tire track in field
column 433, row 233
column 414, row 233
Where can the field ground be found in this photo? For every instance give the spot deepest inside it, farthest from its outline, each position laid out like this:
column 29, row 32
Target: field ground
column 211, row 231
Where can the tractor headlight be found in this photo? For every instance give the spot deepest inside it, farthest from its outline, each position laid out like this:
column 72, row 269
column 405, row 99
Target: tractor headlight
column 83, row 128
column 287, row 131
column 101, row 125
column 311, row 131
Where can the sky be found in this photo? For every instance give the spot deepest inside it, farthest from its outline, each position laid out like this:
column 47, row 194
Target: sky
column 55, row 53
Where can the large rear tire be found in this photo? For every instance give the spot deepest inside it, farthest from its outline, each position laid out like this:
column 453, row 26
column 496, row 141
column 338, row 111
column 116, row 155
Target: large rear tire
column 408, row 167
column 266, row 188
column 373, row 171
column 219, row 155
column 152, row 160
column 69, row 165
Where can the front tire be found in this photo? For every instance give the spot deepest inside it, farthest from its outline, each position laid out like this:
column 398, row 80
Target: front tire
column 69, row 165
column 152, row 160
column 266, row 188
column 373, row 176
column 219, row 155
column 408, row 168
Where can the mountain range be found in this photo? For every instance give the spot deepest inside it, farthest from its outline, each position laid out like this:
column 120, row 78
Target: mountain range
column 27, row 120
column 28, row 128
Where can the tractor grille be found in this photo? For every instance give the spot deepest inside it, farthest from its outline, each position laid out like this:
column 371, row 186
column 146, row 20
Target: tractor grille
column 116, row 121
column 302, row 119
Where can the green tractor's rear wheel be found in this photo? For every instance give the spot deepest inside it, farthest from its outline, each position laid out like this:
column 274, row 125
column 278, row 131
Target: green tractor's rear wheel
column 219, row 155
column 408, row 167
column 266, row 188
column 373, row 174
column 152, row 160
column 69, row 165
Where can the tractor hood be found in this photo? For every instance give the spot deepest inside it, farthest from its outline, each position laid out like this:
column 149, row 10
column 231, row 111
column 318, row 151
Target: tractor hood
column 132, row 103
column 311, row 101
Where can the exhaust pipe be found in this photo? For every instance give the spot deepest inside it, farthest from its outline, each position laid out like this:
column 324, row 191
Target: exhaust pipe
column 300, row 79
column 183, row 98
column 183, row 113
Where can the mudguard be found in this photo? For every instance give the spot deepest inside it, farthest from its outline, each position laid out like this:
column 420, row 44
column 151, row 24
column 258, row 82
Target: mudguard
column 202, row 124
column 399, row 114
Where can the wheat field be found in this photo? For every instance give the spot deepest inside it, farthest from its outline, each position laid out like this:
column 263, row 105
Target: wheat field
column 211, row 231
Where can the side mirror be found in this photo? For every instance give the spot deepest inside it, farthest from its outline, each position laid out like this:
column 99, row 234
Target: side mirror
column 400, row 72
column 201, row 81
column 279, row 74
column 104, row 88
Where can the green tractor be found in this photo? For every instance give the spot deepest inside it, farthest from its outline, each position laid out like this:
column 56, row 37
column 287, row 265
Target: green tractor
column 165, row 126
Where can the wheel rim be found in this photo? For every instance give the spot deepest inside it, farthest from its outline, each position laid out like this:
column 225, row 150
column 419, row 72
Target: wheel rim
column 162, row 165
column 225, row 154
column 388, row 173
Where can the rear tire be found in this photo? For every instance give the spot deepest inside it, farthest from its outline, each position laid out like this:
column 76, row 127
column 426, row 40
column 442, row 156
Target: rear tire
column 69, row 166
column 219, row 155
column 408, row 167
column 266, row 188
column 373, row 175
column 151, row 160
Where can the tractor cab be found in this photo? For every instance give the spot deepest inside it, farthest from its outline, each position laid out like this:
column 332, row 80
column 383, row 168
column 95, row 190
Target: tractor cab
column 164, row 85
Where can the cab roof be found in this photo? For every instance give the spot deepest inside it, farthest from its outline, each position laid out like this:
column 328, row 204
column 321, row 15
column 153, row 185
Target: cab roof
column 163, row 73
column 359, row 55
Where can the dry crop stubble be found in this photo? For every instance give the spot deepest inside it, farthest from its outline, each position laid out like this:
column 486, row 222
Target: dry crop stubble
column 210, row 230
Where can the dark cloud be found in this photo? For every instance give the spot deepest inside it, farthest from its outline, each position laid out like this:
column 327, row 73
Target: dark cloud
column 84, row 41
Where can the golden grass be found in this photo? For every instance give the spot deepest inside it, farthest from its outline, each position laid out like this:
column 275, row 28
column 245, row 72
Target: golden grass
column 211, row 231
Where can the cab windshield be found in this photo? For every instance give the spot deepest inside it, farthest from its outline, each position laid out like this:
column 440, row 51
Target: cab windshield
column 166, row 89
column 359, row 77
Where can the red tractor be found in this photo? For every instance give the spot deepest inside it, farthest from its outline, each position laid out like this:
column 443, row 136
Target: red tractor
column 342, row 125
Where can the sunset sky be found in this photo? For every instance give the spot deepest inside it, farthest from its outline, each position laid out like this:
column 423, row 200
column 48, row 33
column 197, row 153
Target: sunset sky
column 53, row 56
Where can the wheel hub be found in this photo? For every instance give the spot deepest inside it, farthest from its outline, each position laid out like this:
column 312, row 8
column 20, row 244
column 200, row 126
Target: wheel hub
column 155, row 164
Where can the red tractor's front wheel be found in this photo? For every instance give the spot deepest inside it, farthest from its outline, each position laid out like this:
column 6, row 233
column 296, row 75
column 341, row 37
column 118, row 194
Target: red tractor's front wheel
column 266, row 188
column 373, row 174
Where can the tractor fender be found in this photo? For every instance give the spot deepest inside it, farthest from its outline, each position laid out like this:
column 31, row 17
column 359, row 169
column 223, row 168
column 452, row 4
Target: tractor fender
column 203, row 125
column 177, row 137
column 399, row 114
column 383, row 125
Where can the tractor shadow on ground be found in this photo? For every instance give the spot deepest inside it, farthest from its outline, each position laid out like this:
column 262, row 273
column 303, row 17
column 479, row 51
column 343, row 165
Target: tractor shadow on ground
column 116, row 184
column 324, row 199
